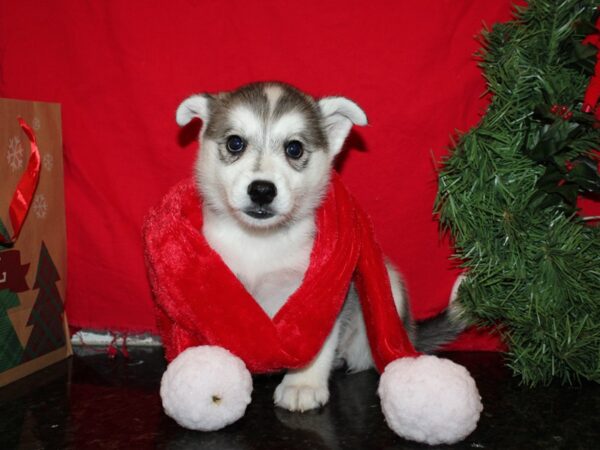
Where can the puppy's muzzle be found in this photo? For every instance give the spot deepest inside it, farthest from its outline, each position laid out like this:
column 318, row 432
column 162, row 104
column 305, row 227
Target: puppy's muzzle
column 261, row 193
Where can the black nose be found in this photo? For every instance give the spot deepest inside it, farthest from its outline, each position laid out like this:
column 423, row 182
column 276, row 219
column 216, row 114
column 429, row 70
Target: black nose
column 262, row 192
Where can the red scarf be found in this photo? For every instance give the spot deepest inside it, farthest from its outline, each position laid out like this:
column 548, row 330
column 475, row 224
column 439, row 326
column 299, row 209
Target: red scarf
column 199, row 301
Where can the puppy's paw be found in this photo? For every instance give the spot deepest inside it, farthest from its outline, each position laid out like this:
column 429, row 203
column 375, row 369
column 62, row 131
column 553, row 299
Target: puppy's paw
column 295, row 396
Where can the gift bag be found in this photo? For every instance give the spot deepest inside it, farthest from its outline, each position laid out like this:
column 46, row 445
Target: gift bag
column 33, row 326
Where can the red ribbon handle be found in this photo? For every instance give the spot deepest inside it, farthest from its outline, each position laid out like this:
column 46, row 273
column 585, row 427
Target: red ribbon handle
column 23, row 196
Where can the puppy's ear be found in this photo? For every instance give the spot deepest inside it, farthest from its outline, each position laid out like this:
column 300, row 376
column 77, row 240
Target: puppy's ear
column 191, row 107
column 339, row 114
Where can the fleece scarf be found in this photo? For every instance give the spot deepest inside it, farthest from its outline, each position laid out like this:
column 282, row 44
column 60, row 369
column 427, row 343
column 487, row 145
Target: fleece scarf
column 199, row 301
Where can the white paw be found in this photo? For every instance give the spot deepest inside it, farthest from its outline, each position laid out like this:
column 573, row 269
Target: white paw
column 300, row 397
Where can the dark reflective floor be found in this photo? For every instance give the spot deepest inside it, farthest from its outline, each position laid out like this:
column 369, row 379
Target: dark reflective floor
column 95, row 402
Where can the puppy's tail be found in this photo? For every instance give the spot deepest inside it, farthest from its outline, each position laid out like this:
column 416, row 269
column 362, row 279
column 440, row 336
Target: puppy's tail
column 431, row 334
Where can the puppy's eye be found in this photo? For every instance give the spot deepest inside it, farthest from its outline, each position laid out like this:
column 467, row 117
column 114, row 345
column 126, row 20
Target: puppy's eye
column 294, row 149
column 235, row 144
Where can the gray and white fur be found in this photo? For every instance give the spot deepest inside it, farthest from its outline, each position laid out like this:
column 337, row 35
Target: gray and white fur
column 266, row 154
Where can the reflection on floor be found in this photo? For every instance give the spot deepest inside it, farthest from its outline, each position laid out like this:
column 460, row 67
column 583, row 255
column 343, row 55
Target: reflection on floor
column 92, row 401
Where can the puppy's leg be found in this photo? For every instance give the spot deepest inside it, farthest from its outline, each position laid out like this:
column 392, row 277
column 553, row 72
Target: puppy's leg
column 353, row 345
column 426, row 335
column 308, row 388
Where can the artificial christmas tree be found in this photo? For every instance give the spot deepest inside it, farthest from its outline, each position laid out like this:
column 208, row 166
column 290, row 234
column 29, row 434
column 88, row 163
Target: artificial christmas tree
column 509, row 195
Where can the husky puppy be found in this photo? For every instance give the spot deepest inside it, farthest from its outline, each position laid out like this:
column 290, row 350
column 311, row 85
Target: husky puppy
column 267, row 151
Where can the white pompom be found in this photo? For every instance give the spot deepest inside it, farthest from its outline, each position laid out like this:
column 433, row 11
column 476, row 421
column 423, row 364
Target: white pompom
column 429, row 399
column 206, row 388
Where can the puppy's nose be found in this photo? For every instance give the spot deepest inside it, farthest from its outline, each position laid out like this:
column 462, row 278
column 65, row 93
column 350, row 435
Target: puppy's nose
column 262, row 192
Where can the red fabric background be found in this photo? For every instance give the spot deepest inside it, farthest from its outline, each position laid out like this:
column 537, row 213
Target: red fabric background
column 120, row 70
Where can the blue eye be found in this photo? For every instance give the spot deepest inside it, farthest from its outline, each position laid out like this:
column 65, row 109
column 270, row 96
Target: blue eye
column 294, row 149
column 235, row 144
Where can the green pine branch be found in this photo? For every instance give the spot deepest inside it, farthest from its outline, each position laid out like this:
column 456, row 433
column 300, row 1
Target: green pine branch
column 508, row 195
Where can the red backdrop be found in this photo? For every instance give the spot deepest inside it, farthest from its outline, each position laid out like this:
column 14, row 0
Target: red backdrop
column 120, row 69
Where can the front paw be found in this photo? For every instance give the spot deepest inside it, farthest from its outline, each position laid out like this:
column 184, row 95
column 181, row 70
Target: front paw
column 300, row 396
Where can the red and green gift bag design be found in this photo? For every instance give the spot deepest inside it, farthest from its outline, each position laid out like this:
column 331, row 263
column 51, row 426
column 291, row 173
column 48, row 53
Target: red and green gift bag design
column 33, row 326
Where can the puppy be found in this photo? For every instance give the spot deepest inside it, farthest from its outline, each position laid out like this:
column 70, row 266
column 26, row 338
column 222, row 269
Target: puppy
column 266, row 155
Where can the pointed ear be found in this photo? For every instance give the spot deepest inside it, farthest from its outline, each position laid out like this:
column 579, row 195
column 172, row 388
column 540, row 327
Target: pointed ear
column 191, row 107
column 339, row 114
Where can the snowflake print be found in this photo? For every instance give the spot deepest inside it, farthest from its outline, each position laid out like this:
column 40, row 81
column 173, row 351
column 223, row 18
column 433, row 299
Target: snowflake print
column 40, row 206
column 48, row 162
column 36, row 124
column 14, row 154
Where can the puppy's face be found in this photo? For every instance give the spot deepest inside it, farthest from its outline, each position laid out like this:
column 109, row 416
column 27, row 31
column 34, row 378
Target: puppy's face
column 267, row 150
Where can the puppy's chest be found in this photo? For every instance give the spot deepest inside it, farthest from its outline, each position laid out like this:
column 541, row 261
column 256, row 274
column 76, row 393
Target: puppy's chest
column 271, row 268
